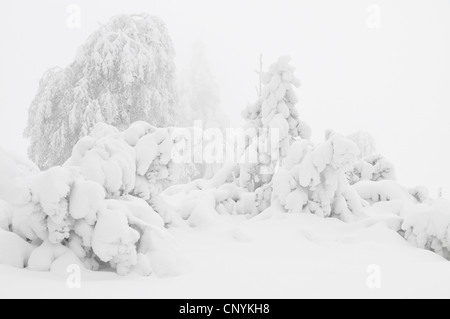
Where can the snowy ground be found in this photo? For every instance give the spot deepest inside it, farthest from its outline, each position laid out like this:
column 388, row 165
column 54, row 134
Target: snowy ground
column 286, row 256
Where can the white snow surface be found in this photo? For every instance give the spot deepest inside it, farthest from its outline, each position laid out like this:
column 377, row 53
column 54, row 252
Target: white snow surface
column 275, row 255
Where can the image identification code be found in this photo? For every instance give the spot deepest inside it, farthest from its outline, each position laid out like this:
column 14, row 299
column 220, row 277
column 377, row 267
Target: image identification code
column 226, row 309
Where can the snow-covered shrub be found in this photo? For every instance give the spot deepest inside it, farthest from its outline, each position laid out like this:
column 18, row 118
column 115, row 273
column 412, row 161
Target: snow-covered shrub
column 424, row 222
column 313, row 179
column 125, row 72
column 88, row 212
column 264, row 197
column 40, row 207
column 427, row 226
column 201, row 201
column 383, row 169
column 136, row 161
column 67, row 215
column 371, row 168
column 274, row 113
column 420, row 193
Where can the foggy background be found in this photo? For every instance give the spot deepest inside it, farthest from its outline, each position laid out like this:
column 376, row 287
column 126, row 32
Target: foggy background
column 391, row 79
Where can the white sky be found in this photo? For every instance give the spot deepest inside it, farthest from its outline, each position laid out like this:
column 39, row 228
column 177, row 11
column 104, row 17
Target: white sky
column 393, row 82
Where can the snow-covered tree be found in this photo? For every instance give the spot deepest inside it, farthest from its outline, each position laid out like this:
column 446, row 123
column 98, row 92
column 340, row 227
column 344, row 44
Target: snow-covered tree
column 275, row 120
column 313, row 179
column 199, row 97
column 136, row 161
column 365, row 143
column 369, row 165
column 124, row 72
column 71, row 220
column 371, row 168
column 199, row 92
column 427, row 225
column 420, row 193
column 95, row 210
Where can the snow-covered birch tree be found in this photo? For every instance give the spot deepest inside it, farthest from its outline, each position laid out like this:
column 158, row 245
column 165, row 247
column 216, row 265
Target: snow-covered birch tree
column 124, row 72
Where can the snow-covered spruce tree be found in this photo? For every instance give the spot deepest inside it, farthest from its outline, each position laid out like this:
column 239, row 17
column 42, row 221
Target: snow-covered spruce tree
column 365, row 142
column 124, row 72
column 427, row 225
column 422, row 221
column 94, row 211
column 199, row 98
column 70, row 220
column 371, row 168
column 199, row 93
column 275, row 120
column 313, row 179
column 420, row 193
column 136, row 161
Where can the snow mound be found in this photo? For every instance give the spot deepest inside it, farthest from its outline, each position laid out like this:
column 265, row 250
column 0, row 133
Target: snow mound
column 382, row 191
column 13, row 166
column 5, row 215
column 200, row 205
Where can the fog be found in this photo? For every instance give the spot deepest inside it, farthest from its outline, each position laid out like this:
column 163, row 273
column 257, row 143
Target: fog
column 389, row 76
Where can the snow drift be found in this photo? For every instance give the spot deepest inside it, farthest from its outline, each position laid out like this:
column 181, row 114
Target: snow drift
column 13, row 166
